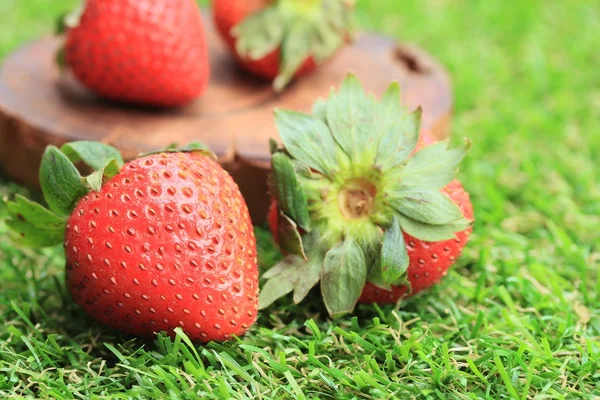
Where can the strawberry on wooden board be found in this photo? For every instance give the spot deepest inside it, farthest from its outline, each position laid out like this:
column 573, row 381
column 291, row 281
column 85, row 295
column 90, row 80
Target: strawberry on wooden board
column 361, row 203
column 282, row 39
column 139, row 51
column 161, row 242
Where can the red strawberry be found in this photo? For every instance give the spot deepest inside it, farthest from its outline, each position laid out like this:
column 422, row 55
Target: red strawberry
column 165, row 243
column 363, row 204
column 282, row 39
column 145, row 52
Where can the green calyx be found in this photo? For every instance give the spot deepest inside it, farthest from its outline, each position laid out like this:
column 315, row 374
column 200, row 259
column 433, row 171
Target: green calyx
column 32, row 224
column 348, row 177
column 70, row 20
column 194, row 147
column 300, row 29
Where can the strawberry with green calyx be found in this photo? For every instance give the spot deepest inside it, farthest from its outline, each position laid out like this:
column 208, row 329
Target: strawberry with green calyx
column 282, row 39
column 160, row 242
column 361, row 205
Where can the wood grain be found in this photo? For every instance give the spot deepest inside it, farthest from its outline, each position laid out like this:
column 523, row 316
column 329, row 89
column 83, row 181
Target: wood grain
column 39, row 105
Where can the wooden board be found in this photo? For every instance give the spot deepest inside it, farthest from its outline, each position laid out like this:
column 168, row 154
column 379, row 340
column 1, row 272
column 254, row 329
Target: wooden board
column 234, row 117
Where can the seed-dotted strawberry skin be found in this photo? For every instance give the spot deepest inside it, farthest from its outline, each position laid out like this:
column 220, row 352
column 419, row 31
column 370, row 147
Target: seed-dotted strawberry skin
column 227, row 14
column 167, row 242
column 141, row 51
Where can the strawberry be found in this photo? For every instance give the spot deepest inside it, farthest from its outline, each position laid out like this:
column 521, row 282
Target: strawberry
column 146, row 52
column 282, row 39
column 166, row 242
column 361, row 203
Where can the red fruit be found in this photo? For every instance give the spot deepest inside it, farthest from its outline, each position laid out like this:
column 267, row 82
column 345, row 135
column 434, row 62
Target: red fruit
column 271, row 63
column 166, row 242
column 146, row 52
column 362, row 202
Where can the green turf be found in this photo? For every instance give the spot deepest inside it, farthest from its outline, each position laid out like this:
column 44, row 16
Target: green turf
column 519, row 316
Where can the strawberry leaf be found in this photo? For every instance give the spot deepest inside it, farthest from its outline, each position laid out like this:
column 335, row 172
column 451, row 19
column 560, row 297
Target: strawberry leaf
column 400, row 133
column 432, row 167
column 94, row 154
column 73, row 18
column 375, row 277
column 276, row 288
column 260, row 34
column 311, row 273
column 308, row 140
column 61, row 182
column 290, row 196
column 319, row 110
column 31, row 224
column 96, row 179
column 295, row 49
column 302, row 274
column 190, row 148
column 293, row 273
column 281, row 266
column 350, row 117
column 394, row 257
column 343, row 277
column 372, row 254
column 290, row 240
column 390, row 105
column 273, row 146
column 432, row 233
column 23, row 209
column 281, row 280
column 430, row 207
column 326, row 40
column 60, row 25
column 26, row 234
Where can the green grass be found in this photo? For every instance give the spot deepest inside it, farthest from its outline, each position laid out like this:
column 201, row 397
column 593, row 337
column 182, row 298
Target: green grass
column 518, row 317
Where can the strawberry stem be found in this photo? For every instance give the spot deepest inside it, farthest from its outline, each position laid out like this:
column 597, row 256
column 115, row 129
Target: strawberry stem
column 356, row 199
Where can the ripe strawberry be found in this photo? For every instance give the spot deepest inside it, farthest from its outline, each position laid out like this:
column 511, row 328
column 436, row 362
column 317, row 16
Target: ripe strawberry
column 146, row 52
column 165, row 242
column 282, row 39
column 363, row 204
